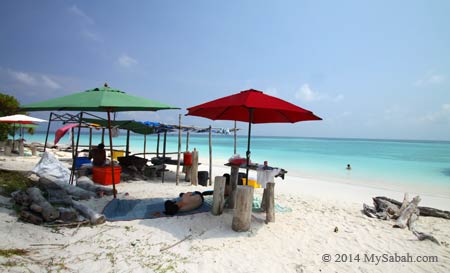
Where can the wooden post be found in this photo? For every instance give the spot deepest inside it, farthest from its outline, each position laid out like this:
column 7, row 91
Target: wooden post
column 218, row 195
column 194, row 168
column 33, row 150
column 188, row 171
column 234, row 174
column 7, row 149
column 210, row 155
column 90, row 138
column 21, row 148
column 264, row 200
column 243, row 213
column 187, row 141
column 270, row 202
column 177, row 175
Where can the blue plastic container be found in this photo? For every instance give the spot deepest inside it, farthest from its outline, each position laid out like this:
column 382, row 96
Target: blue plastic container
column 80, row 161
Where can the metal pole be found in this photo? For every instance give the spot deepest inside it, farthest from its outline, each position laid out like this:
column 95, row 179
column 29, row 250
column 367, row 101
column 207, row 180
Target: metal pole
column 48, row 129
column 210, row 155
column 248, row 141
column 111, row 161
column 177, row 175
column 235, row 138
column 127, row 153
column 164, row 155
column 157, row 145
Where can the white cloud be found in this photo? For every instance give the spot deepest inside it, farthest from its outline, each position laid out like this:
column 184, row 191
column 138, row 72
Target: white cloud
column 442, row 114
column 23, row 77
column 90, row 35
column 272, row 92
column 430, row 78
column 305, row 93
column 81, row 14
column 50, row 83
column 36, row 80
column 127, row 61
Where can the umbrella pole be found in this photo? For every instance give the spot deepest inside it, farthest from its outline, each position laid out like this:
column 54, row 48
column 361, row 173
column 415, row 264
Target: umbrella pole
column 235, row 137
column 48, row 130
column 14, row 135
column 248, row 141
column 111, row 161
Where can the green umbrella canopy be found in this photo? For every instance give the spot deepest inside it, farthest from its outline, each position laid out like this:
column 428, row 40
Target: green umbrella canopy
column 98, row 100
column 134, row 126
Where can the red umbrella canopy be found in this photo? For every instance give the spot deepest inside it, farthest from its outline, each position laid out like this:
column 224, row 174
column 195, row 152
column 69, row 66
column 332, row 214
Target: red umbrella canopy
column 266, row 109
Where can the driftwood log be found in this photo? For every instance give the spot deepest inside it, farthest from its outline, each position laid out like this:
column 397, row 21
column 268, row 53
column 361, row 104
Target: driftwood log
column 30, row 217
column 86, row 183
column 75, row 192
column 94, row 217
column 49, row 213
column 21, row 198
column 424, row 211
column 405, row 214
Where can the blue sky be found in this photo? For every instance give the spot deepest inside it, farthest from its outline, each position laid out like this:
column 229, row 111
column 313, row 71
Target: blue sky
column 370, row 69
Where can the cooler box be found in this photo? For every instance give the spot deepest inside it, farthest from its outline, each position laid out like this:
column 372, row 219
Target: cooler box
column 80, row 161
column 103, row 175
column 251, row 183
column 117, row 153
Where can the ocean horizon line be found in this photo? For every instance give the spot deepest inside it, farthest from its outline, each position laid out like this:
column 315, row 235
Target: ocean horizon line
column 96, row 132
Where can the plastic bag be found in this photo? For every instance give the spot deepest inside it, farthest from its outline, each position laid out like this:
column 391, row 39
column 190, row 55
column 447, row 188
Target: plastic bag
column 50, row 167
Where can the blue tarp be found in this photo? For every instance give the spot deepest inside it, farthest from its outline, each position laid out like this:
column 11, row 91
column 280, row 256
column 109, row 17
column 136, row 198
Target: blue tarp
column 126, row 210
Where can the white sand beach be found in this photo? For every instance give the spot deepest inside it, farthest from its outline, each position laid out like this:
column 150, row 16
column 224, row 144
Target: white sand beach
column 325, row 231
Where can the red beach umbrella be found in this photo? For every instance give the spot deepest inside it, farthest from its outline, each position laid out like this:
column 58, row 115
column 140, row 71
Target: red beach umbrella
column 252, row 106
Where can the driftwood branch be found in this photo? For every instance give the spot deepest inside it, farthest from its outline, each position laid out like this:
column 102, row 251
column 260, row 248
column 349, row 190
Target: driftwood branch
column 424, row 211
column 405, row 214
column 177, row 243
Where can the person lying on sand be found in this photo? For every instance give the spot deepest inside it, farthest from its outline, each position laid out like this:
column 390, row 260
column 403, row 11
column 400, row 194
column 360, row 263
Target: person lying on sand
column 186, row 202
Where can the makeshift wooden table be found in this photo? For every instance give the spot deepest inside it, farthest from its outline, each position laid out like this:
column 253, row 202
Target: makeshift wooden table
column 267, row 203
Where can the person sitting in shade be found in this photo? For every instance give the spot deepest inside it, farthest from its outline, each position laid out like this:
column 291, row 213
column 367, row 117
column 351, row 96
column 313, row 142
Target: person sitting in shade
column 98, row 155
column 186, row 202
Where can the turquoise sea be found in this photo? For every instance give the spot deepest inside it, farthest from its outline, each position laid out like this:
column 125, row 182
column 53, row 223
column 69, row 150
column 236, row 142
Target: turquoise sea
column 373, row 161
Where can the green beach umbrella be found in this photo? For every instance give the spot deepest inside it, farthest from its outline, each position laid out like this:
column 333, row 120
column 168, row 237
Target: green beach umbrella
column 103, row 99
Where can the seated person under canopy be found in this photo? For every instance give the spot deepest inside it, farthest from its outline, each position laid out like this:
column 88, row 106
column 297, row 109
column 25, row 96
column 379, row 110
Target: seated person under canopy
column 98, row 155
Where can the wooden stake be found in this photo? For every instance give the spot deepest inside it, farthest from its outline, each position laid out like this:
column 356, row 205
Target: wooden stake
column 243, row 213
column 218, row 195
column 194, row 168
column 270, row 202
column 234, row 174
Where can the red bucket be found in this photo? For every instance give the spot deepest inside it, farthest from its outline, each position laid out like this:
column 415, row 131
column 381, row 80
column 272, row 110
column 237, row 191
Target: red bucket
column 187, row 159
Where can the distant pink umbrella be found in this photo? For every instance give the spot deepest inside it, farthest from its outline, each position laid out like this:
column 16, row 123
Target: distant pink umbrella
column 62, row 131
